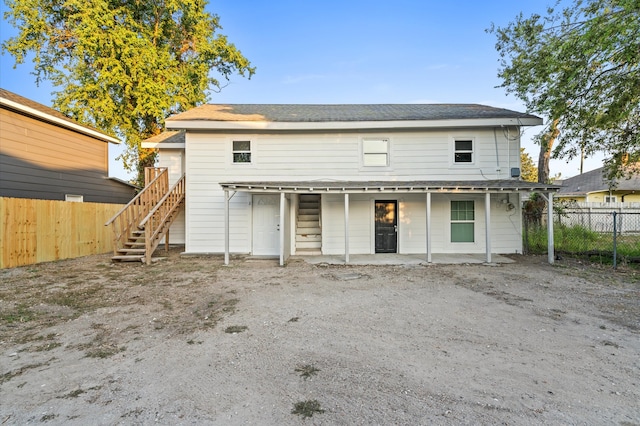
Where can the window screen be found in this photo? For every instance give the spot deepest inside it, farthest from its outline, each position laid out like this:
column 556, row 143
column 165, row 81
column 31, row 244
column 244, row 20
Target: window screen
column 375, row 153
column 241, row 151
column 463, row 151
column 462, row 221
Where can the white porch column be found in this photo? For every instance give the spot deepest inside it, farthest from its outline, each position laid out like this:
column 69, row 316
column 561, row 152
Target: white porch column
column 487, row 223
column 226, row 226
column 281, row 226
column 429, row 227
column 551, row 256
column 346, row 228
column 550, row 244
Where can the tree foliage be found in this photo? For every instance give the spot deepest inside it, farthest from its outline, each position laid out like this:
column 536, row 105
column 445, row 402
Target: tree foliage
column 528, row 170
column 580, row 67
column 123, row 66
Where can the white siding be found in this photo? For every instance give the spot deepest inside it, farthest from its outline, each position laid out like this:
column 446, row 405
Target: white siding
column 173, row 160
column 338, row 156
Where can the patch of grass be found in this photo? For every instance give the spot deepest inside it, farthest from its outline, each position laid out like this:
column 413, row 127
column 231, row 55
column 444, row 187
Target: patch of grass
column 47, row 417
column 105, row 351
column 11, row 374
column 307, row 371
column 81, row 299
column 20, row 313
column 45, row 347
column 307, row 408
column 73, row 394
column 230, row 305
column 236, row 329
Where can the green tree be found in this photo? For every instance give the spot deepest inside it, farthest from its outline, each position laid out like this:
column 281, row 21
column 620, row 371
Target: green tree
column 124, row 66
column 580, row 67
column 528, row 170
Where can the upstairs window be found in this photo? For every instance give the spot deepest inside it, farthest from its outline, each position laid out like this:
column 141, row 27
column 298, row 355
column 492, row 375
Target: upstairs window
column 241, row 152
column 375, row 152
column 463, row 151
column 462, row 221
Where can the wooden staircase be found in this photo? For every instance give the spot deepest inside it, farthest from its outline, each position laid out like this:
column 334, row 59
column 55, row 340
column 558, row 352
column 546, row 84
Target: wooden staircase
column 308, row 225
column 140, row 226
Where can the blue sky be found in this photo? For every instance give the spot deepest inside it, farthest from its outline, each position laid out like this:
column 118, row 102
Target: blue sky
column 352, row 51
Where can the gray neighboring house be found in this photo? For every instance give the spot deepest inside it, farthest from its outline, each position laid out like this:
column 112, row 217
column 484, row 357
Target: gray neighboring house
column 46, row 155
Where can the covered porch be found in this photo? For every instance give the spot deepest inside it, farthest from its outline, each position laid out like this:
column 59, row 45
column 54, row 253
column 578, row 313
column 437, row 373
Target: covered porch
column 424, row 190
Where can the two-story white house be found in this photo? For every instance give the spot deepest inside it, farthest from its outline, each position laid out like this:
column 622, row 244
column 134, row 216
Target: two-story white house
column 282, row 180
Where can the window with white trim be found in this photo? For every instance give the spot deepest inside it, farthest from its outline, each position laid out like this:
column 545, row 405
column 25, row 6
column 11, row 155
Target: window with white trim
column 241, row 152
column 375, row 152
column 462, row 221
column 610, row 199
column 74, row 198
column 463, row 151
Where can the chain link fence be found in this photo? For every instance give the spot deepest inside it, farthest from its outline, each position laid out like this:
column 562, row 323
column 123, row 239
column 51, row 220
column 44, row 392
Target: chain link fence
column 604, row 237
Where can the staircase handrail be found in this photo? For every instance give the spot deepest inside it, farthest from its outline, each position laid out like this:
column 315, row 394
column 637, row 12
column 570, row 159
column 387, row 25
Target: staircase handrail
column 129, row 216
column 155, row 223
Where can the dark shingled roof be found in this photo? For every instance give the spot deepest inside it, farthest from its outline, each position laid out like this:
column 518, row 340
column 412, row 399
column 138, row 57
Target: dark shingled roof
column 168, row 136
column 595, row 181
column 345, row 112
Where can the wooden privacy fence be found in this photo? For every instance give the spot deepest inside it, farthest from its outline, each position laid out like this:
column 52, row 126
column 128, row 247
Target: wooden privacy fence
column 33, row 231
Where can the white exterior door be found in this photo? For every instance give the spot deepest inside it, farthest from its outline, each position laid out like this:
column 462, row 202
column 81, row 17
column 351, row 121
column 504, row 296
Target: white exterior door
column 266, row 224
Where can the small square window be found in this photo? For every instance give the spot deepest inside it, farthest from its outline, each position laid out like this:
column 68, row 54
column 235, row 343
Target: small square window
column 610, row 199
column 242, row 151
column 74, row 198
column 375, row 153
column 463, row 151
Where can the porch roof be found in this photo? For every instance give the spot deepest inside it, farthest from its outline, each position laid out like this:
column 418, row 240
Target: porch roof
column 439, row 186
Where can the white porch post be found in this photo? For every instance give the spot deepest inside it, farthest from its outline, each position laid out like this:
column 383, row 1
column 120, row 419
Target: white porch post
column 550, row 244
column 487, row 224
column 226, row 226
column 281, row 225
column 346, row 228
column 429, row 227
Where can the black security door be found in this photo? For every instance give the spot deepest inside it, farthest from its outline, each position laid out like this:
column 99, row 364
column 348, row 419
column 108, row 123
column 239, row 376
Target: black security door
column 386, row 226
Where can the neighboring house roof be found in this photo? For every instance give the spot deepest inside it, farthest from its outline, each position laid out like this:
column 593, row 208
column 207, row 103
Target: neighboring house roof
column 168, row 139
column 341, row 116
column 36, row 110
column 595, row 181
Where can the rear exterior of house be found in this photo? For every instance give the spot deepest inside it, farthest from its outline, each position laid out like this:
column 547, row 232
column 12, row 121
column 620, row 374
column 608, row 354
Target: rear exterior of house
column 45, row 155
column 282, row 180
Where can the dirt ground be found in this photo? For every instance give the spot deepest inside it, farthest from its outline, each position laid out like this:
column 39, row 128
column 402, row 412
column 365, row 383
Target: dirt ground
column 190, row 341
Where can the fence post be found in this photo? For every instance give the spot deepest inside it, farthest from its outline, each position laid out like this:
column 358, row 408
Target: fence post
column 615, row 234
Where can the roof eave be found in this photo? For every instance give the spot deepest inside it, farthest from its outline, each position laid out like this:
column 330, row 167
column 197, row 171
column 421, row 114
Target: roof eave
column 348, row 125
column 55, row 120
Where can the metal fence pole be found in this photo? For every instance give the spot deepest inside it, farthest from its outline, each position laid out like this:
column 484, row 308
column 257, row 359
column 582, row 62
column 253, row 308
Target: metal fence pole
column 615, row 234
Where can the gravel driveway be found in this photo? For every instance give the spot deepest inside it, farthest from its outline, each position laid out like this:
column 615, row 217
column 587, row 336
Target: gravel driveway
column 189, row 341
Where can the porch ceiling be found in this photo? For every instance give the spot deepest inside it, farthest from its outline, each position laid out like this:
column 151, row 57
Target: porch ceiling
column 437, row 186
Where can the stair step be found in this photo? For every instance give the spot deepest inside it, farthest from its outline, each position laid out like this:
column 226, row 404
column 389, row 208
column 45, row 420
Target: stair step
column 307, row 211
column 308, row 245
column 134, row 244
column 132, row 250
column 308, row 252
column 305, row 217
column 307, row 237
column 308, row 224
